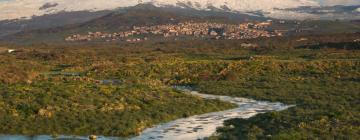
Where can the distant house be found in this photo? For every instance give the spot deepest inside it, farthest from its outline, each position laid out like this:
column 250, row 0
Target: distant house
column 262, row 24
column 213, row 33
column 216, row 31
column 302, row 39
column 11, row 51
column 249, row 45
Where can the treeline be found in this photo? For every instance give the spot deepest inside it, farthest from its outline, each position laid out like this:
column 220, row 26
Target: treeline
column 343, row 45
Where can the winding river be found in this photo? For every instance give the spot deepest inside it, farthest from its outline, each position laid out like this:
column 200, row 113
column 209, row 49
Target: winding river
column 191, row 128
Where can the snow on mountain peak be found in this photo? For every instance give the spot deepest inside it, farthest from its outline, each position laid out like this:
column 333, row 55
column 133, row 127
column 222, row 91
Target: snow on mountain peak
column 358, row 10
column 17, row 9
column 239, row 5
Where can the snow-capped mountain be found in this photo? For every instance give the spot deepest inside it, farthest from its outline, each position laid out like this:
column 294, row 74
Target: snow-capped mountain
column 26, row 9
column 237, row 5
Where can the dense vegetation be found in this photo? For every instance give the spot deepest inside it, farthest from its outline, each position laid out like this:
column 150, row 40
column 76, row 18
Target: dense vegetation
column 86, row 91
column 325, row 92
column 63, row 87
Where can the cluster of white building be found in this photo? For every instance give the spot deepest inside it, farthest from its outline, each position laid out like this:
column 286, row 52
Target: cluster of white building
column 203, row 30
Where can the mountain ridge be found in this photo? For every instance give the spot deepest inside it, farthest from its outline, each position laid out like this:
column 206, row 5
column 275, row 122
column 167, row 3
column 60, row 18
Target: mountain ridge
column 69, row 19
column 27, row 10
column 123, row 19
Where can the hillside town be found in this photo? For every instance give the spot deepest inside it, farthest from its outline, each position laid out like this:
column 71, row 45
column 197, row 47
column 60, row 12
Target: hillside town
column 199, row 30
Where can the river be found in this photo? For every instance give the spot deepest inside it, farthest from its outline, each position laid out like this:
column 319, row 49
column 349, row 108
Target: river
column 191, row 128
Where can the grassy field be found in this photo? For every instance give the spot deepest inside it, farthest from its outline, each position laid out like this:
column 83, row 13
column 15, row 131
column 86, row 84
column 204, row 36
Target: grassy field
column 119, row 90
